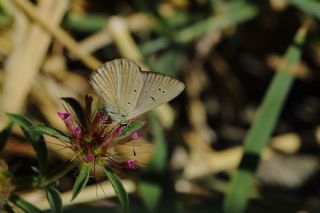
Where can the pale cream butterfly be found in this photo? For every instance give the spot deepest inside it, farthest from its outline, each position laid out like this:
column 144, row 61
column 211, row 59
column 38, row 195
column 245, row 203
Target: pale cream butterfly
column 128, row 92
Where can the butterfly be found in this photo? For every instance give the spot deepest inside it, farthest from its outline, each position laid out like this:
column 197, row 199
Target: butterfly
column 128, row 92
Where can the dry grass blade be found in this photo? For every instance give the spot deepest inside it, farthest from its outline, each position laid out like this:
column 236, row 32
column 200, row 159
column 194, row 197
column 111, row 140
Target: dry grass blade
column 89, row 193
column 58, row 33
column 24, row 63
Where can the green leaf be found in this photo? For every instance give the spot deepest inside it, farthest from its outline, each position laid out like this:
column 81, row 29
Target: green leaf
column 131, row 128
column 54, row 199
column 78, row 109
column 48, row 130
column 237, row 198
column 34, row 138
column 310, row 7
column 4, row 135
column 24, row 205
column 81, row 181
column 118, row 188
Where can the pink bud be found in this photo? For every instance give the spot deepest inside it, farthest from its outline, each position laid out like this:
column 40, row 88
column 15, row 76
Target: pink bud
column 132, row 164
column 64, row 115
column 88, row 158
column 119, row 131
column 67, row 118
column 135, row 136
column 100, row 116
column 76, row 132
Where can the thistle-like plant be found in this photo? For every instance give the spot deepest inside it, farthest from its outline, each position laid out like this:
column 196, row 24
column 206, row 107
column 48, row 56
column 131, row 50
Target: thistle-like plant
column 92, row 136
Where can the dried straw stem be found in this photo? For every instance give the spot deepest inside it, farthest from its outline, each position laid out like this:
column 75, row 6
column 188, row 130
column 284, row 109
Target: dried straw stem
column 58, row 33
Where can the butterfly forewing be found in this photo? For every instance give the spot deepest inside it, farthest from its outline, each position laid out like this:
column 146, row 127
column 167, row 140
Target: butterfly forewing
column 119, row 84
column 157, row 89
column 103, row 82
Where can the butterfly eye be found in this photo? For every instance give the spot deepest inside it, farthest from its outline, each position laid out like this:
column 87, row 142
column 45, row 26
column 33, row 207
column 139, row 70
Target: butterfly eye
column 124, row 124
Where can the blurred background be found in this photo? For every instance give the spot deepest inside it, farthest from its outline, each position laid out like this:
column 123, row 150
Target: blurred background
column 226, row 52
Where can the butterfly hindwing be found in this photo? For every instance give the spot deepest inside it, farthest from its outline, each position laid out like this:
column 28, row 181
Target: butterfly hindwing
column 157, row 89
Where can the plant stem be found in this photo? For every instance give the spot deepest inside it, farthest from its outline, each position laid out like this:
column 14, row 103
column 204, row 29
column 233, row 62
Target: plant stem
column 67, row 167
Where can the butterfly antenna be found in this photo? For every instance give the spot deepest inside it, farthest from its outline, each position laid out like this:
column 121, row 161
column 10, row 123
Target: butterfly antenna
column 133, row 150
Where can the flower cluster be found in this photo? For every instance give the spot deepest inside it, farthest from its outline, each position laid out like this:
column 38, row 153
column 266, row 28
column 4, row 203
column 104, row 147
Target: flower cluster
column 5, row 183
column 94, row 136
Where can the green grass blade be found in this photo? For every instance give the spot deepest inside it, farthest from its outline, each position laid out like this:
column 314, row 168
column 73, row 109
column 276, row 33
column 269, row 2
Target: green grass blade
column 159, row 159
column 151, row 192
column 256, row 139
column 238, row 12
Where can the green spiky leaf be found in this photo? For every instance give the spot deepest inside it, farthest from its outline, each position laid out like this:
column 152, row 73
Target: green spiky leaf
column 118, row 188
column 48, row 130
column 54, row 199
column 81, row 181
column 34, row 138
column 23, row 204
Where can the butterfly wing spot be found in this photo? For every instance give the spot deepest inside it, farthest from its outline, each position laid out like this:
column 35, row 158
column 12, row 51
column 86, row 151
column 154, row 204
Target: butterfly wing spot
column 159, row 89
column 163, row 91
column 135, row 90
column 129, row 103
column 152, row 98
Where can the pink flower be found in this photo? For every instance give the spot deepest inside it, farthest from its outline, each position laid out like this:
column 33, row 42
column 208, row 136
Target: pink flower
column 95, row 136
column 76, row 132
column 119, row 131
column 88, row 158
column 100, row 116
column 67, row 119
column 132, row 164
column 135, row 136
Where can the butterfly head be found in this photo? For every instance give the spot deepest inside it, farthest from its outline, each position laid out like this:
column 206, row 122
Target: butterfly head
column 119, row 118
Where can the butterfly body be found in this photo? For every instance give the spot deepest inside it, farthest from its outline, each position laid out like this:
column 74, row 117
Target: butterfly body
column 129, row 92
